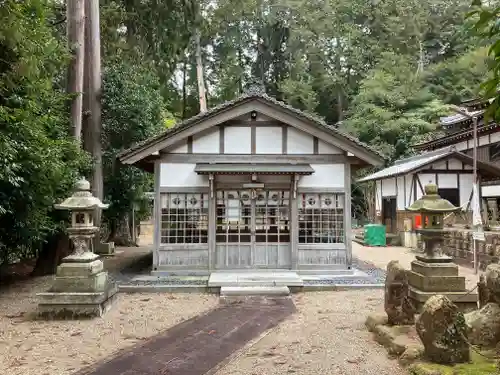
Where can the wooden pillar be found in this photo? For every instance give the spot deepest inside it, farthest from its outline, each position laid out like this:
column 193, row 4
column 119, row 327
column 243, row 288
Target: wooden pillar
column 156, row 216
column 347, row 214
column 212, row 223
column 294, row 222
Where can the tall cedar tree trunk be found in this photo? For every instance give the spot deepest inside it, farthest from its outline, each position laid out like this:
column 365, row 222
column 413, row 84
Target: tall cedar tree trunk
column 184, row 92
column 199, row 71
column 75, row 31
column 120, row 232
column 92, row 102
column 53, row 251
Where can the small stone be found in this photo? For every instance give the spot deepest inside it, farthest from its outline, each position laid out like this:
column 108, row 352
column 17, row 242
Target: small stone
column 280, row 361
column 442, row 329
column 397, row 305
column 483, row 326
column 492, row 276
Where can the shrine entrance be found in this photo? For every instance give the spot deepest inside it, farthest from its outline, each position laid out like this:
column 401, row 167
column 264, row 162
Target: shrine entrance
column 253, row 229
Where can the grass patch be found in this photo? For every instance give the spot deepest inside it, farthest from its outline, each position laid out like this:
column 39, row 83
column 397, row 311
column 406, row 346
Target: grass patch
column 479, row 365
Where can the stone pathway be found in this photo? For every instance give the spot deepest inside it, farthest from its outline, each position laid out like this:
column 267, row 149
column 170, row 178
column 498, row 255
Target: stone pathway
column 199, row 344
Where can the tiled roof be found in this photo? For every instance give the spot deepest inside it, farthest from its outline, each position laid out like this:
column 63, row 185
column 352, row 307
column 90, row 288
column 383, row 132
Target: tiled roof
column 245, row 97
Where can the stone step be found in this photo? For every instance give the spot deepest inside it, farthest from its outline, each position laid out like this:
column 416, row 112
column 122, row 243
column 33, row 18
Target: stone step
column 268, row 279
column 227, row 291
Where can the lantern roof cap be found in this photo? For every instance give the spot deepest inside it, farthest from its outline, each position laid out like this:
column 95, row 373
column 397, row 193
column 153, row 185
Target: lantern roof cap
column 82, row 199
column 431, row 202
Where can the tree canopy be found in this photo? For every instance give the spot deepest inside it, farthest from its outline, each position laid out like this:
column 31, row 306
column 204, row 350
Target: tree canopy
column 384, row 70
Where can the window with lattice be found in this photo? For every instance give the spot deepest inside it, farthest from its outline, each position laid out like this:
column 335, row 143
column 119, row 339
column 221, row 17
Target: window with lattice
column 184, row 218
column 321, row 218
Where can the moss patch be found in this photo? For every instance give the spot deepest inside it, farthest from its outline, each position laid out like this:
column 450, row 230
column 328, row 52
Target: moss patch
column 479, row 366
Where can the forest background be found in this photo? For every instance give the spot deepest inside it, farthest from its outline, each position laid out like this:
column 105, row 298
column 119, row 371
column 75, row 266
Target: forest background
column 383, row 70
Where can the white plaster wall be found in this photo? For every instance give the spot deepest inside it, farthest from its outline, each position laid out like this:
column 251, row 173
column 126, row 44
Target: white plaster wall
column 483, row 141
column 181, row 148
column 326, row 148
column 378, row 196
column 177, row 174
column 454, row 164
column 461, row 146
column 465, row 188
column 439, row 165
column 409, row 189
column 400, row 193
column 207, row 143
column 427, row 178
column 237, row 140
column 447, row 181
column 389, row 187
column 268, row 140
column 490, row 191
column 324, row 176
column 495, row 137
column 299, row 142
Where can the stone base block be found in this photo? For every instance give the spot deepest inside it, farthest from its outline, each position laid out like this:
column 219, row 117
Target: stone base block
column 434, row 269
column 81, row 284
column 105, row 248
column 55, row 305
column 80, row 269
column 465, row 301
column 436, row 284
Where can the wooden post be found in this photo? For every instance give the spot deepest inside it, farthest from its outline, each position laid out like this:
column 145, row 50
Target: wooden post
column 75, row 30
column 347, row 214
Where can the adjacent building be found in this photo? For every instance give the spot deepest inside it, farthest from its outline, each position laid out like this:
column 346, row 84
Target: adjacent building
column 446, row 161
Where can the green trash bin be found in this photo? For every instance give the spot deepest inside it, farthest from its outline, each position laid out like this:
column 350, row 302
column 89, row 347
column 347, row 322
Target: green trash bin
column 375, row 235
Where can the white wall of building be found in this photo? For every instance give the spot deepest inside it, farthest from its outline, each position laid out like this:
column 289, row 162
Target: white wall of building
column 207, row 143
column 237, row 140
column 269, row 140
column 324, row 176
column 299, row 142
column 177, row 174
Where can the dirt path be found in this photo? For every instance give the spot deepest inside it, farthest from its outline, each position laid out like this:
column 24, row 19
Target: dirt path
column 326, row 336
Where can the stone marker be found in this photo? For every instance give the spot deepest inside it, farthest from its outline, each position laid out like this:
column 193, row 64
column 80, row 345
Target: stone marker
column 81, row 287
column 493, row 283
column 399, row 308
column 483, row 326
column 442, row 329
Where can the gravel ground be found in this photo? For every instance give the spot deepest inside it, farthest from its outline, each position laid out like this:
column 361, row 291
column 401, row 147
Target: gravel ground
column 29, row 347
column 325, row 337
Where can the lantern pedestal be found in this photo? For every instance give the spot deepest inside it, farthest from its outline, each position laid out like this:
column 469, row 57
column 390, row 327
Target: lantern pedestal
column 81, row 289
column 438, row 275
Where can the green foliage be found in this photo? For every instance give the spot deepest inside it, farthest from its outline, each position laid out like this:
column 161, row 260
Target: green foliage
column 488, row 26
column 459, row 78
column 39, row 162
column 393, row 108
column 132, row 111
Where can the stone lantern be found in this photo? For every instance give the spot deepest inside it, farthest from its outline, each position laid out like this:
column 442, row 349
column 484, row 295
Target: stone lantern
column 433, row 272
column 81, row 287
column 432, row 209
